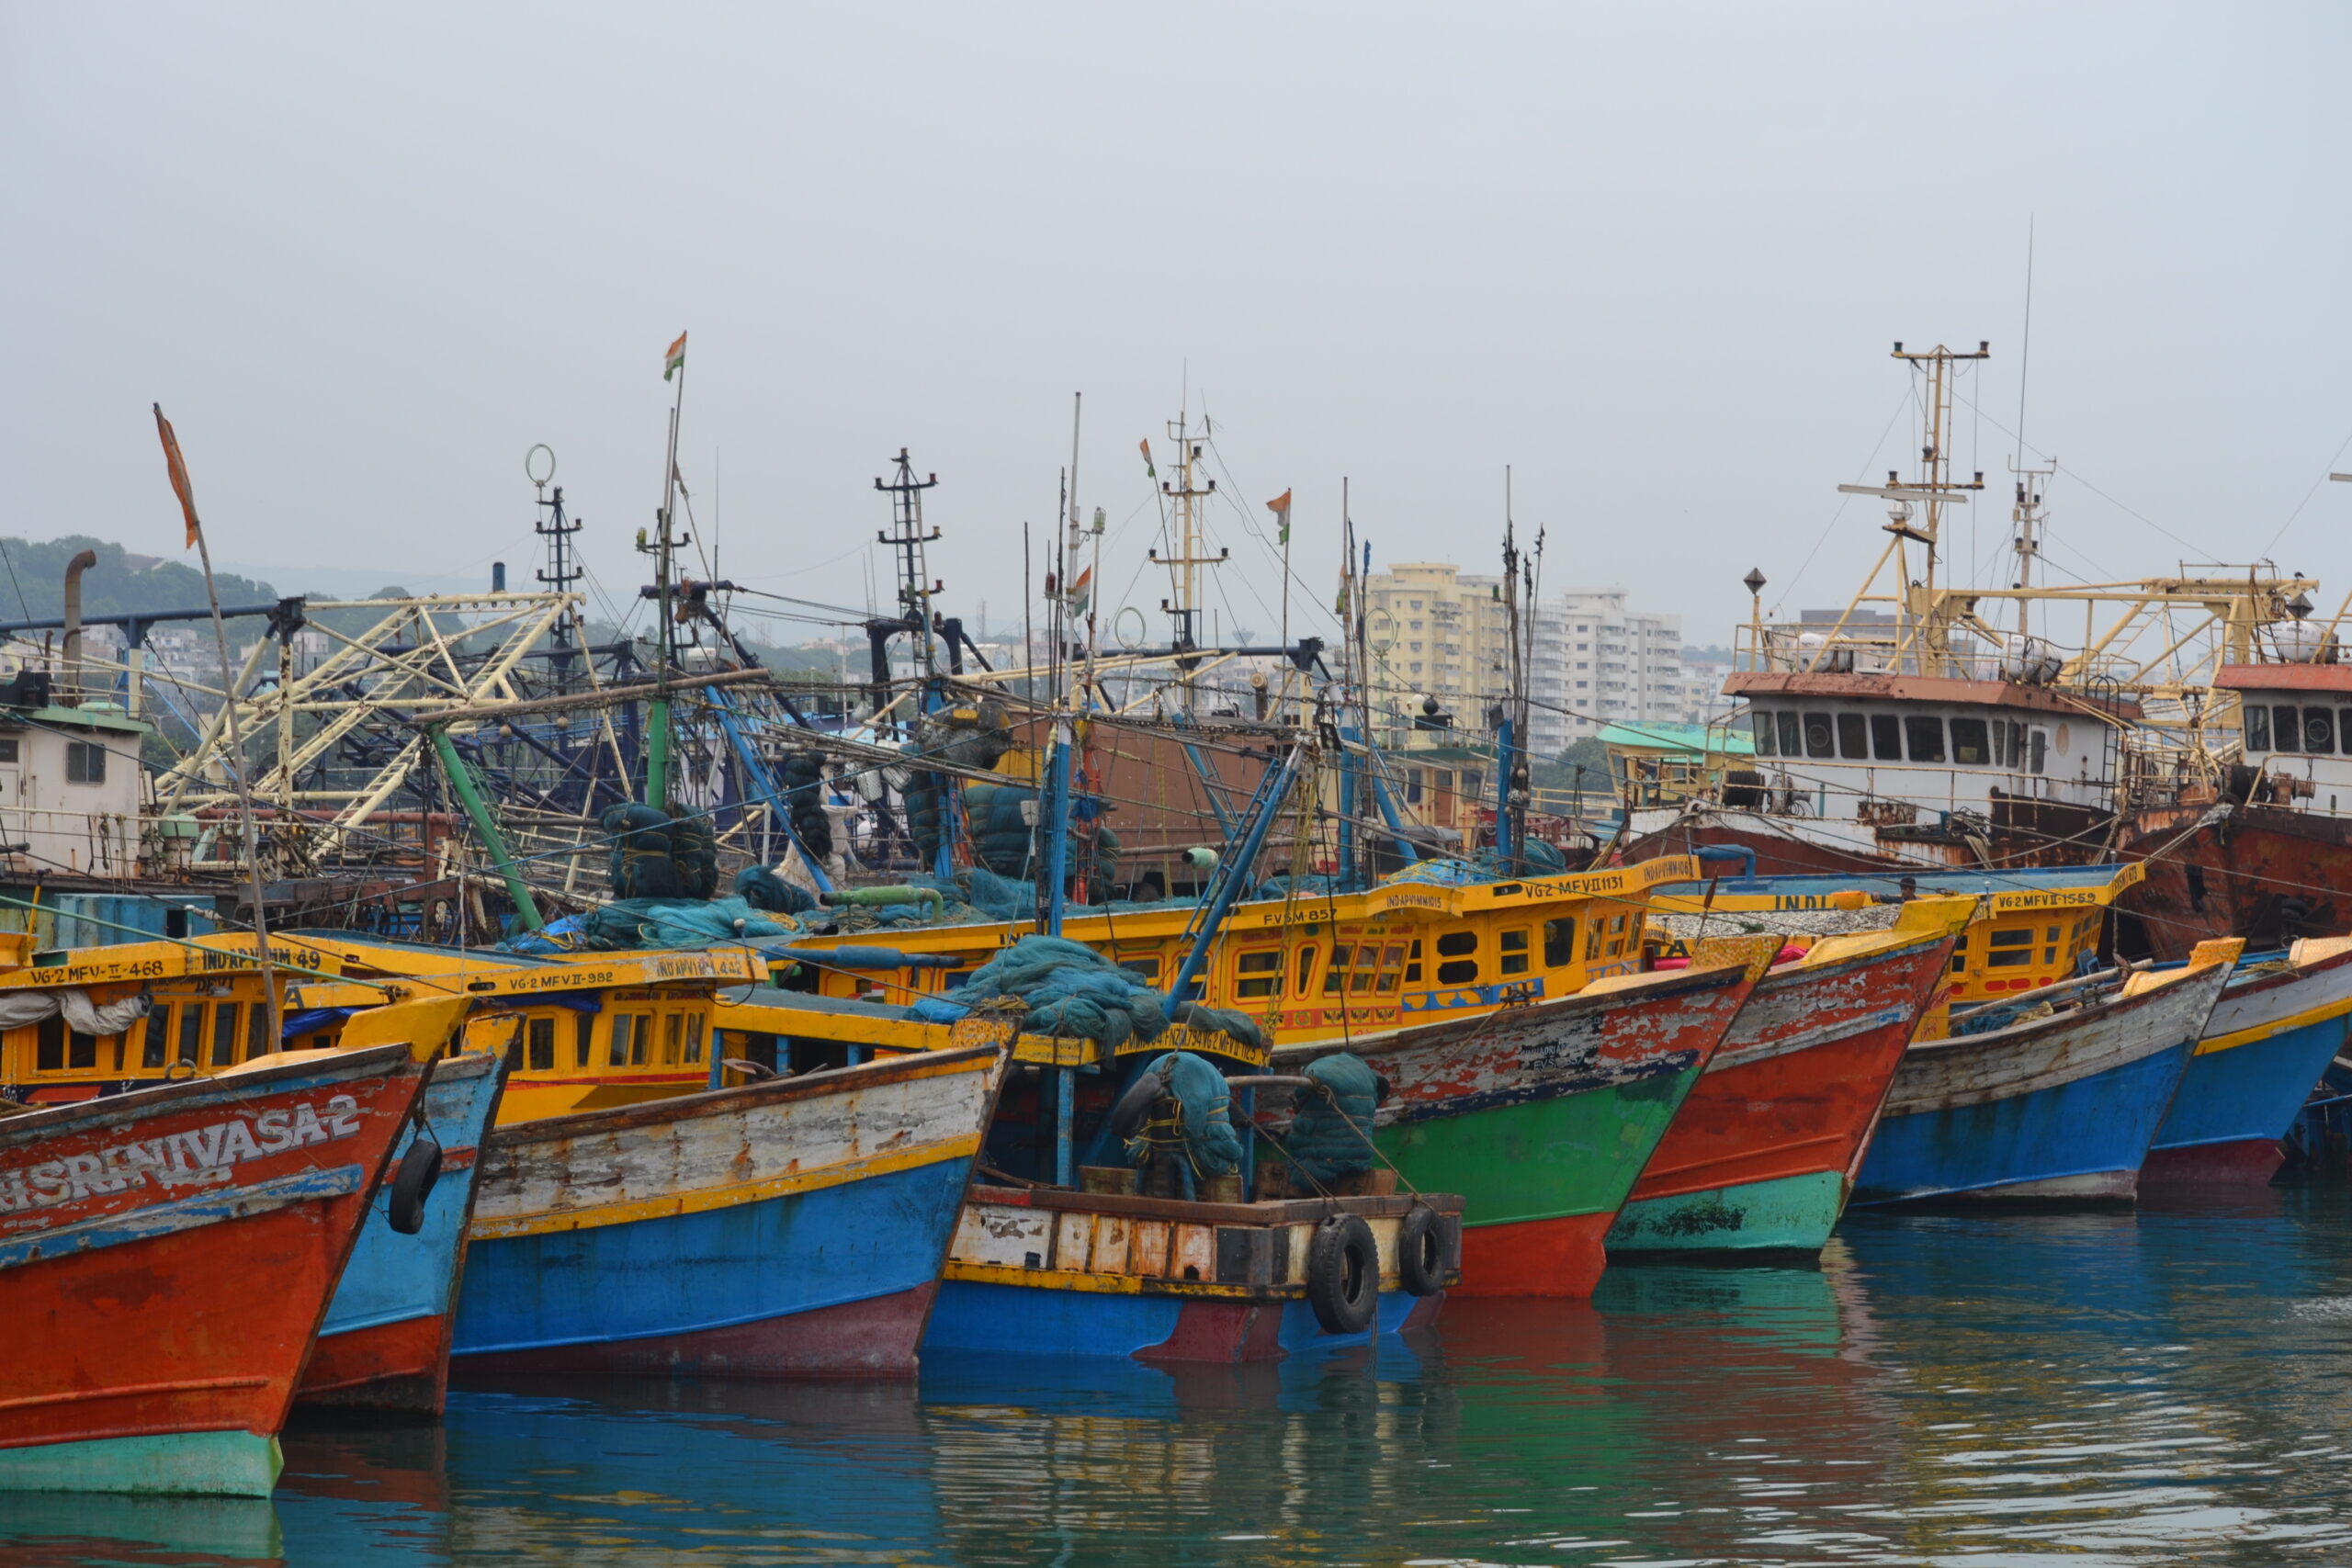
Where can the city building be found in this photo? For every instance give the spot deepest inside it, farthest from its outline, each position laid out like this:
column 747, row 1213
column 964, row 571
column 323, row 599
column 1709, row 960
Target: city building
column 1438, row 634
column 1598, row 662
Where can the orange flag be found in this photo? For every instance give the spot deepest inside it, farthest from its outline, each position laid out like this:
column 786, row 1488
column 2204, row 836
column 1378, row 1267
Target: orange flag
column 180, row 487
column 1280, row 507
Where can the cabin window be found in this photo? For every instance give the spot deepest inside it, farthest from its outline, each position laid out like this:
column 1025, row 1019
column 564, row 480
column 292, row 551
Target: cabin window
column 2040, row 749
column 1513, row 946
column 2288, row 729
column 1470, row 782
column 1759, row 725
column 49, row 1045
column 8, row 749
column 257, row 1041
column 1969, row 744
column 640, row 1044
column 1261, row 972
column 2050, row 954
column 1616, row 935
column 693, row 1037
column 673, row 1039
column 2257, row 727
column 1305, row 969
column 85, row 762
column 1887, row 737
column 542, row 1030
column 2010, row 949
column 1458, row 971
column 1391, row 959
column 1853, row 737
column 2319, row 731
column 156, row 1051
column 1147, row 968
column 1559, row 942
column 1413, row 964
column 1453, row 945
column 192, row 1033
column 81, row 1050
column 617, row 1050
column 1817, row 736
column 224, row 1033
column 583, row 1034
column 1413, row 786
column 1335, row 976
column 1927, row 736
column 1792, row 735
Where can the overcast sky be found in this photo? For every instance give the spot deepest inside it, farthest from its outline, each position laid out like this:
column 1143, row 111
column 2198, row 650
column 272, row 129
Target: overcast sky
column 1652, row 256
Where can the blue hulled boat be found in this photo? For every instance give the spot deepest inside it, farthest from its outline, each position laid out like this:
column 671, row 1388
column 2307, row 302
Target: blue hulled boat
column 2056, row 1096
column 2274, row 1032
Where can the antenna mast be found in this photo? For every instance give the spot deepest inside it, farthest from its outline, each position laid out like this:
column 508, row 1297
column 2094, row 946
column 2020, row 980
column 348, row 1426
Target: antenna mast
column 563, row 564
column 1187, row 492
column 906, row 536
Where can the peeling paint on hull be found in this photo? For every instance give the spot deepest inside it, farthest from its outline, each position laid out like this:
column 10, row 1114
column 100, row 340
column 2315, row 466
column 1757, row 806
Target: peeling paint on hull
column 173, row 1296
column 789, row 1229
column 2060, row 1109
column 1541, row 1117
column 1784, row 1109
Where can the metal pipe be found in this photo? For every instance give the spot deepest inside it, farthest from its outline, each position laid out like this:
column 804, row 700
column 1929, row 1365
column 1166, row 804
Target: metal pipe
column 72, row 695
column 461, row 780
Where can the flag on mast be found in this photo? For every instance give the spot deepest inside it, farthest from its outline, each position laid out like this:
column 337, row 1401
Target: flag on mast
column 675, row 360
column 1145, row 446
column 1081, row 593
column 1280, row 507
column 180, row 487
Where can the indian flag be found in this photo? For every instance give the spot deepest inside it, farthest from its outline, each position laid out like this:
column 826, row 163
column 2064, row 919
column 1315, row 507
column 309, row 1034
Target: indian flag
column 675, row 360
column 1081, row 593
column 1280, row 507
column 1145, row 446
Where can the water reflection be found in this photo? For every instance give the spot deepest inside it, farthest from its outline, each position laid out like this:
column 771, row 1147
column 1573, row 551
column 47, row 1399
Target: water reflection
column 2010, row 1390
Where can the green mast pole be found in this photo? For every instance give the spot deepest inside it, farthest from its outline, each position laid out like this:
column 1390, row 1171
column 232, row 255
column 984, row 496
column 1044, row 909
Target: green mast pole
column 461, row 779
column 657, row 752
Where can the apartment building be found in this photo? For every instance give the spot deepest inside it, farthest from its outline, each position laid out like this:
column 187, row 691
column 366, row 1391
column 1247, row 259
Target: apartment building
column 1435, row 632
column 1596, row 662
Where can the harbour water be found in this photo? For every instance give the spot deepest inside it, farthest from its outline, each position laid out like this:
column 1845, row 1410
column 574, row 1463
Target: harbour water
column 2159, row 1386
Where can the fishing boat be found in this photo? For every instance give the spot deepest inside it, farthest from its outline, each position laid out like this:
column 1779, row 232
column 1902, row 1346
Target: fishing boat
column 788, row 1227
column 385, row 1342
column 166, row 1258
column 1762, row 1153
column 2054, row 1096
column 1541, row 1115
column 2281, row 1020
column 1042, row 1270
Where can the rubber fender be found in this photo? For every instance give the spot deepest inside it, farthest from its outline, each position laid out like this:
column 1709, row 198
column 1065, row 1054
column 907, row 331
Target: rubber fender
column 413, row 1184
column 1343, row 1275
column 1421, row 1253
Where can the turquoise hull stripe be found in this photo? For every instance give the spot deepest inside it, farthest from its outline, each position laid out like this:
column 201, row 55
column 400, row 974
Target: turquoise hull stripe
column 1788, row 1213
column 220, row 1464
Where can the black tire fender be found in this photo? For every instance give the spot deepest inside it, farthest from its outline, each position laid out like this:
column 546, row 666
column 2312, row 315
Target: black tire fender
column 1421, row 1253
column 413, row 1184
column 1343, row 1275
column 1136, row 1103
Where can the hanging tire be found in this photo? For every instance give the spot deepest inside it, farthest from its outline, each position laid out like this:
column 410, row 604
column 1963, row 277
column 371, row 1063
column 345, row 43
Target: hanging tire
column 413, row 1184
column 1421, row 1253
column 1343, row 1275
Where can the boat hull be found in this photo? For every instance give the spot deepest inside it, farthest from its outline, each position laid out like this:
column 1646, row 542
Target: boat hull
column 171, row 1252
column 2263, row 873
column 1045, row 1272
column 2268, row 1042
column 1541, row 1117
column 2060, row 1110
column 385, row 1343
column 981, row 1317
column 793, row 1228
column 1758, row 1156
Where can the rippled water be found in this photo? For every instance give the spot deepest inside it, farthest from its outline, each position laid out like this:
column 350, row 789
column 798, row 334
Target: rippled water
column 2162, row 1386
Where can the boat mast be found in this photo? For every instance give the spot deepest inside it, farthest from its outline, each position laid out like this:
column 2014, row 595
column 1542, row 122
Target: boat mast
column 1183, row 568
